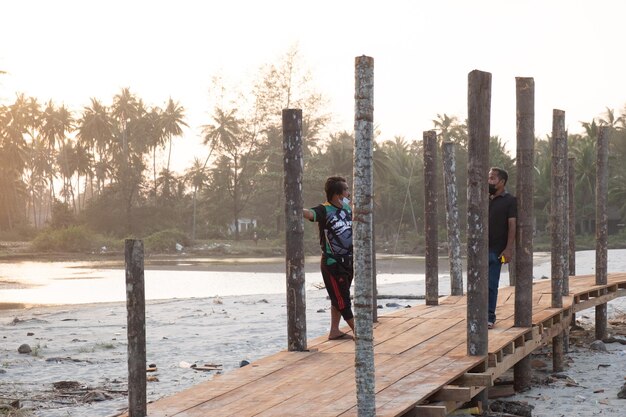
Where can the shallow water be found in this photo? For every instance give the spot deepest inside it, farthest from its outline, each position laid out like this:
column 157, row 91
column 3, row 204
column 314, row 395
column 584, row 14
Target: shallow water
column 47, row 283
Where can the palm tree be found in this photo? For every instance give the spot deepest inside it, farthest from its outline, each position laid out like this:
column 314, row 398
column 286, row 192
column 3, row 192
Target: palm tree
column 227, row 137
column 197, row 176
column 95, row 133
column 583, row 148
column 13, row 157
column 172, row 120
column 610, row 120
column 57, row 122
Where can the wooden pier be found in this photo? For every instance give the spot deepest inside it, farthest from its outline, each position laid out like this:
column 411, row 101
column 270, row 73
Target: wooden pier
column 422, row 366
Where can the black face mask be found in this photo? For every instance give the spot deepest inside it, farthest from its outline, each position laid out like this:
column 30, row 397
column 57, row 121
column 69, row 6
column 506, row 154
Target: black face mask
column 492, row 189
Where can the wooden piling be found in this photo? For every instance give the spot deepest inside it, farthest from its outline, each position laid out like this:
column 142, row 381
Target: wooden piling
column 136, row 327
column 602, row 187
column 571, row 182
column 571, row 186
column 479, row 112
column 452, row 218
column 525, row 93
column 430, row 217
column 294, row 230
column 559, row 205
column 362, row 234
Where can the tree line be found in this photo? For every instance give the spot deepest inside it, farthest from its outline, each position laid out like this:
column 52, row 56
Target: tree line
column 98, row 167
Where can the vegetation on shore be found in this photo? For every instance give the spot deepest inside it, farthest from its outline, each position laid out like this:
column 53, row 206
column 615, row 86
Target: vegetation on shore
column 82, row 181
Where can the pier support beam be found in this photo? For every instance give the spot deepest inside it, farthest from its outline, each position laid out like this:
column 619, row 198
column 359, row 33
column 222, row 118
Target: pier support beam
column 294, row 230
column 430, row 217
column 525, row 92
column 602, row 187
column 560, row 231
column 136, row 327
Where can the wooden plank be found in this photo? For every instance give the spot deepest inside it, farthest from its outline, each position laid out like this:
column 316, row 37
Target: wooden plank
column 474, row 379
column 583, row 305
column 279, row 387
column 416, row 335
column 221, row 384
column 431, row 411
column 453, row 393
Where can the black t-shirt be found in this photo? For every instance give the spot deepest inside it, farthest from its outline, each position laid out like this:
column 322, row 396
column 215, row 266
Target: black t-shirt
column 501, row 209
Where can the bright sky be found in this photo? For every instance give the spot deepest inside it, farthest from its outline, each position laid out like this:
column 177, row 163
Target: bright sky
column 71, row 50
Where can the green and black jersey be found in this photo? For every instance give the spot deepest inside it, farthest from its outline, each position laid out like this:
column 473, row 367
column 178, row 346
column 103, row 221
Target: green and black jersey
column 335, row 229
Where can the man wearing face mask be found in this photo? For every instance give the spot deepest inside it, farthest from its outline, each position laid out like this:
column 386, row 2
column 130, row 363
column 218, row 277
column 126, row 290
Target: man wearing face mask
column 334, row 218
column 502, row 220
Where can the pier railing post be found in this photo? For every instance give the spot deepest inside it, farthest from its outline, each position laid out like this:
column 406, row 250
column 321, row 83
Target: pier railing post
column 452, row 218
column 602, row 181
column 479, row 114
column 560, row 231
column 294, row 230
column 362, row 234
column 430, row 217
column 525, row 93
column 136, row 327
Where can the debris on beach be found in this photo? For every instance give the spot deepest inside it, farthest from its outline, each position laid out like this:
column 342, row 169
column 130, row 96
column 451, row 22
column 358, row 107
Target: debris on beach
column 66, row 385
column 96, row 395
column 206, row 367
column 517, row 408
column 17, row 320
column 622, row 392
column 24, row 349
column 598, row 345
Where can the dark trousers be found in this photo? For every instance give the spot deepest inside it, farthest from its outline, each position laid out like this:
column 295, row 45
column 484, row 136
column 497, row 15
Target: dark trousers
column 494, row 281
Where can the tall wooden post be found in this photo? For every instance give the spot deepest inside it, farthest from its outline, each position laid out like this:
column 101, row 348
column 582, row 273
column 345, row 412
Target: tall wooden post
column 566, row 230
column 559, row 206
column 294, row 230
column 430, row 217
column 452, row 218
column 525, row 93
column 136, row 327
column 479, row 112
column 571, row 182
column 571, row 187
column 362, row 234
column 602, row 220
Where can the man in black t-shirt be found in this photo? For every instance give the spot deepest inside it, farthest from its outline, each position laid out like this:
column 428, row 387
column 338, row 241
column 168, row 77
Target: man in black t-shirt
column 502, row 223
column 334, row 218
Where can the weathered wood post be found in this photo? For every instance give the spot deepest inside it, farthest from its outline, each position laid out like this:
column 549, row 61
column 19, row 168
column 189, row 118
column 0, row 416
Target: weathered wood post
column 479, row 112
column 294, row 230
column 136, row 327
column 430, row 217
column 602, row 220
column 452, row 218
column 566, row 231
column 362, row 234
column 571, row 182
column 571, row 188
column 525, row 157
column 559, row 205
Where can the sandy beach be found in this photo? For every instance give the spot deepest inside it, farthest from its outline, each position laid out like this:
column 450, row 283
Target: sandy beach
column 78, row 366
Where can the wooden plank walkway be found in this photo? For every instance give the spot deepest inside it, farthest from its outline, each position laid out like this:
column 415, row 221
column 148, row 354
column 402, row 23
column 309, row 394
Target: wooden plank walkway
column 422, row 368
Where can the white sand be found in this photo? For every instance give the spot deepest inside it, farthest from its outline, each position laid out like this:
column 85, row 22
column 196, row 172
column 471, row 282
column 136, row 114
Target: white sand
column 90, row 344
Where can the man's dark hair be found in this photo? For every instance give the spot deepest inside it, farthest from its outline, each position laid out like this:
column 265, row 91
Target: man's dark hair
column 502, row 174
column 335, row 185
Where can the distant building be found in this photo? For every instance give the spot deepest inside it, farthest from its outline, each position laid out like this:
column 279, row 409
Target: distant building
column 245, row 225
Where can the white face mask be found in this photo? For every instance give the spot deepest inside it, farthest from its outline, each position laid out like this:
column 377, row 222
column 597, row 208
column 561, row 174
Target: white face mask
column 345, row 201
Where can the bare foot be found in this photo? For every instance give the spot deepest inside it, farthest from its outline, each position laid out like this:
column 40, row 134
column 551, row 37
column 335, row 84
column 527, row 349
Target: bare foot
column 340, row 336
